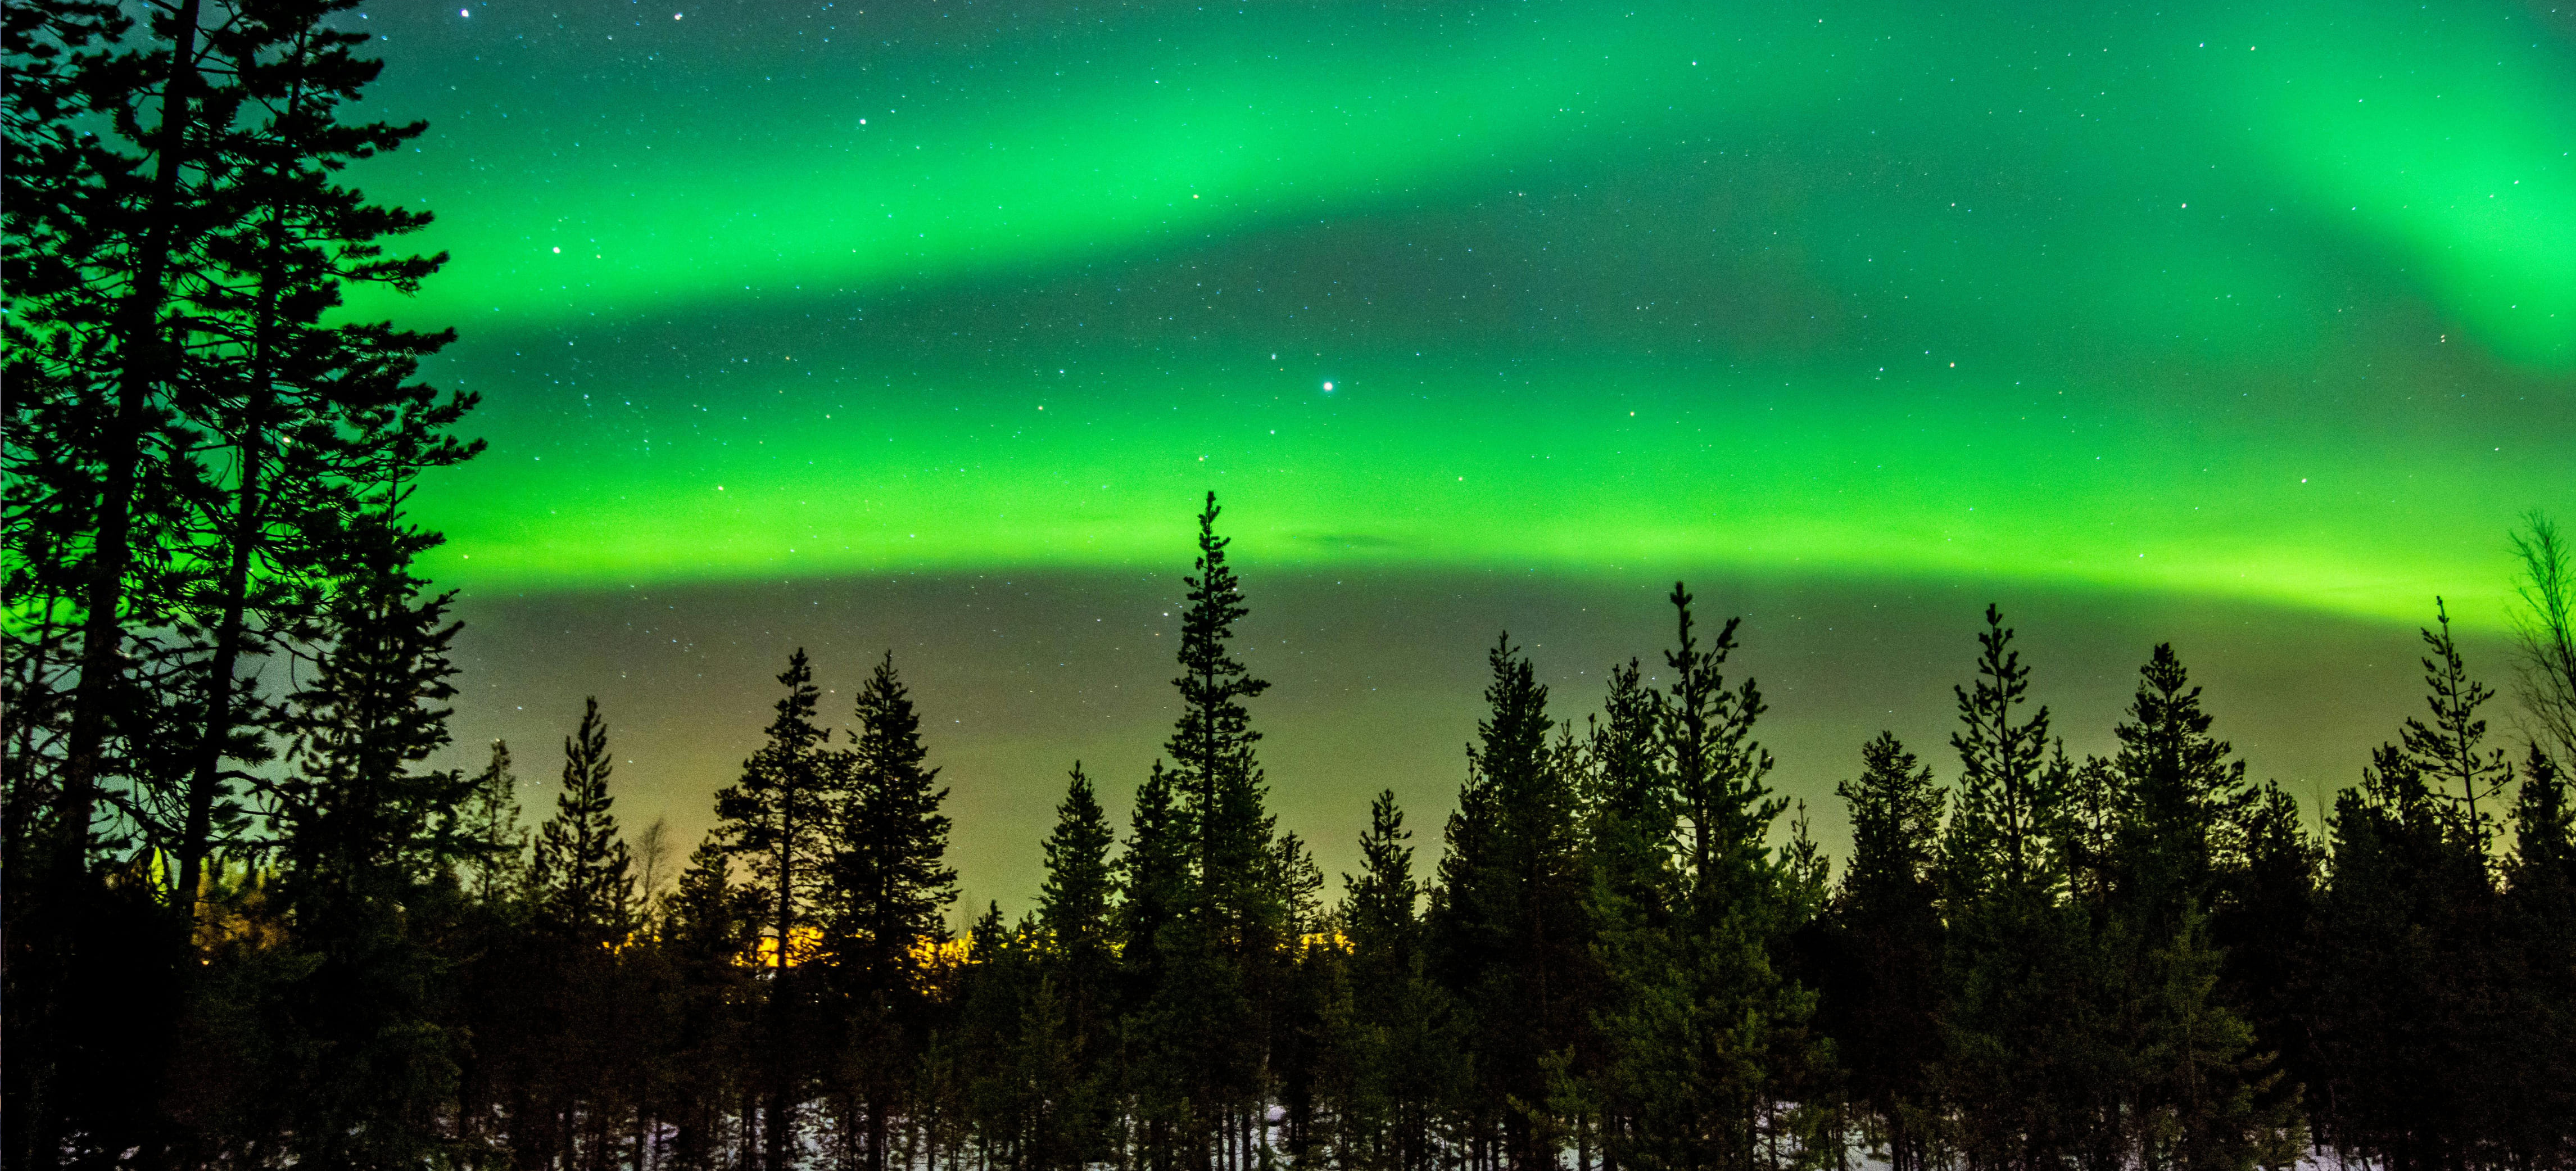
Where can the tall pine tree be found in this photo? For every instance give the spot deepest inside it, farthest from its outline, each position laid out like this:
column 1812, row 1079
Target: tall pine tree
column 1510, row 932
column 365, row 1068
column 582, row 870
column 1225, row 959
column 1880, row 1003
column 1077, row 908
column 778, row 820
column 889, row 887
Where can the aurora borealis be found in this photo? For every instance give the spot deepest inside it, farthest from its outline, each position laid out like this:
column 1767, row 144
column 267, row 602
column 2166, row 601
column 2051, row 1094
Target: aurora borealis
column 2206, row 313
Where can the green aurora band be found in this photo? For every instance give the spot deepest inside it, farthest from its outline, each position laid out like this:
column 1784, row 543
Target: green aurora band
column 2276, row 306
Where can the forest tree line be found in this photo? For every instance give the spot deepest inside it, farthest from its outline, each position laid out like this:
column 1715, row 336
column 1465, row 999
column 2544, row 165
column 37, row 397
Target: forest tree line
column 248, row 924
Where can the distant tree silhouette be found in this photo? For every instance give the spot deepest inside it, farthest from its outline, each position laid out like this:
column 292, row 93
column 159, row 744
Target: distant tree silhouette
column 778, row 818
column 1224, row 950
column 1887, row 933
column 1705, row 1035
column 2538, row 920
column 887, row 885
column 1077, row 910
column 583, row 872
column 2404, row 956
column 1508, row 926
column 366, row 1066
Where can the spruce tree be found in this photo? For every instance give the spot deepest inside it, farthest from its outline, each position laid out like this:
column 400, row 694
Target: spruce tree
column 889, row 887
column 587, row 912
column 2446, row 755
column 1211, row 747
column 1156, row 889
column 2406, row 955
column 891, row 884
column 1409, row 1059
column 1232, row 940
column 1509, row 930
column 364, row 1078
column 496, row 865
column 2195, row 1074
column 582, row 868
column 1880, row 1001
column 778, row 820
column 1629, row 811
column 2183, row 795
column 2539, row 925
column 1077, row 908
column 2201, row 1084
column 1077, row 898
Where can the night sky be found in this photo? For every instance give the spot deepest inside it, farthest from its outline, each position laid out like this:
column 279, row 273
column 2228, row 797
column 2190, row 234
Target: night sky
column 923, row 326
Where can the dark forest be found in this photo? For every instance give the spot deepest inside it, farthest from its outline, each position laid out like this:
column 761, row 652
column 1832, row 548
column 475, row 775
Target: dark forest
column 248, row 925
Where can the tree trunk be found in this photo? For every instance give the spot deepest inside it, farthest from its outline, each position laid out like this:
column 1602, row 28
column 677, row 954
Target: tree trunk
column 142, row 355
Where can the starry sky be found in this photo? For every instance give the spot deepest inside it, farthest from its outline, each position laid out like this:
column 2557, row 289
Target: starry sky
column 923, row 325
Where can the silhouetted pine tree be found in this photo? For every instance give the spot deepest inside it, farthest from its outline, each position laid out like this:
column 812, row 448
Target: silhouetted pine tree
column 496, row 956
column 1509, row 929
column 2539, row 928
column 2445, row 755
column 582, row 871
column 1224, row 953
column 2194, row 1075
column 2405, row 962
column 1628, row 831
column 709, row 930
column 1156, row 889
column 583, row 888
column 888, row 887
column 1297, row 1001
column 1881, row 1001
column 2030, row 1075
column 2002, row 812
column 495, row 868
column 159, row 177
column 105, row 218
column 2263, row 913
column 1629, row 813
column 361, row 1072
column 1404, row 1060
column 2183, row 796
column 307, row 413
column 1704, row 1033
column 779, row 819
column 1077, row 908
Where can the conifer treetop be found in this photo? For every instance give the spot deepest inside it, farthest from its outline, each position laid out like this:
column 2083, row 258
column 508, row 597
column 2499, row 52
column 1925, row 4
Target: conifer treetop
column 2447, row 754
column 1212, row 682
column 2000, row 803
